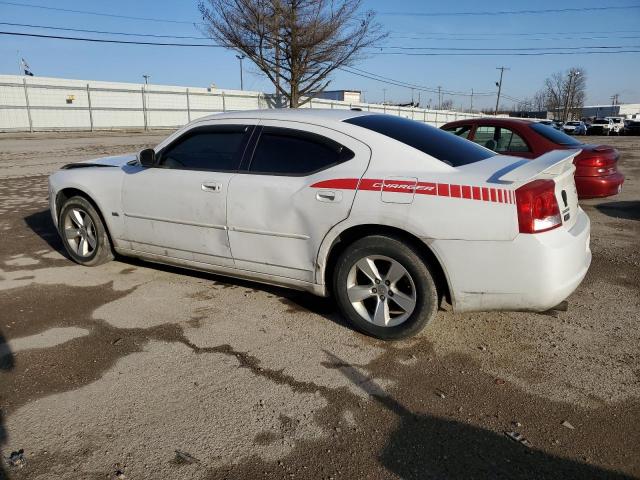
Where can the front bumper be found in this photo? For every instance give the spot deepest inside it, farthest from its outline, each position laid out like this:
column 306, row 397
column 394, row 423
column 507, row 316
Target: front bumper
column 597, row 187
column 531, row 272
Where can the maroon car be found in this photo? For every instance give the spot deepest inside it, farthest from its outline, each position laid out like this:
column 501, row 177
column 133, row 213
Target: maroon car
column 596, row 174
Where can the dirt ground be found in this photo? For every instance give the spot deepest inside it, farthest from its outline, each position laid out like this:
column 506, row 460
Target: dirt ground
column 138, row 371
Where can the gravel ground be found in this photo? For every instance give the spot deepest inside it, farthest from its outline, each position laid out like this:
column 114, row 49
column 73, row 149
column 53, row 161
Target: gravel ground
column 138, row 371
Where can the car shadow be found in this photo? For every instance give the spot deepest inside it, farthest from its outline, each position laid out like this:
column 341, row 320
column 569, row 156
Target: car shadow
column 6, row 364
column 627, row 210
column 42, row 225
column 424, row 446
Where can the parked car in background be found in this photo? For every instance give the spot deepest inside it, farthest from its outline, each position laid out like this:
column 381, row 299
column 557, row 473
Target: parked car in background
column 631, row 127
column 600, row 126
column 575, row 128
column 386, row 214
column 596, row 172
column 618, row 125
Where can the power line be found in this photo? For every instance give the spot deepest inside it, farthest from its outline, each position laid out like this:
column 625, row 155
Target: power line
column 101, row 14
column 399, row 83
column 104, row 40
column 483, row 49
column 492, row 34
column 497, row 38
column 511, row 12
column 416, row 86
column 474, row 53
column 509, row 54
column 104, row 32
column 49, row 27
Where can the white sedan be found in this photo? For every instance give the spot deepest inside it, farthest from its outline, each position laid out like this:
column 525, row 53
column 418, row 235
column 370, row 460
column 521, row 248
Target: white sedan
column 388, row 215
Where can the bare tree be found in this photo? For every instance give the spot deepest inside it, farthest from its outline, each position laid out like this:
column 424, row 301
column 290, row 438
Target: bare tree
column 297, row 44
column 565, row 93
column 447, row 104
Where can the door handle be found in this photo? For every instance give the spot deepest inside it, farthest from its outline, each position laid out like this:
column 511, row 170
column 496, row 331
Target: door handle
column 214, row 187
column 328, row 196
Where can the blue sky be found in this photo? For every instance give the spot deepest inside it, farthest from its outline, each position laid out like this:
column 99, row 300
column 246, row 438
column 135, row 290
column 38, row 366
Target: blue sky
column 607, row 73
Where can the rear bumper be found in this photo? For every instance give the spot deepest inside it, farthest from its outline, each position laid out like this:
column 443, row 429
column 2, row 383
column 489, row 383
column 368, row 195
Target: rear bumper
column 531, row 272
column 593, row 187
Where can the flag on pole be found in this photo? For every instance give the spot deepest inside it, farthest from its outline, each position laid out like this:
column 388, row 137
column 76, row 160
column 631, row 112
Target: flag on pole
column 26, row 68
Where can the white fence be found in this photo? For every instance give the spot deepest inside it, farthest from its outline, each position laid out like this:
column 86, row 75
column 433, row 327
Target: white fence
column 39, row 103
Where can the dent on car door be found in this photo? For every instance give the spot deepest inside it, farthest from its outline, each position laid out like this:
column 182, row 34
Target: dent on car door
column 291, row 194
column 178, row 207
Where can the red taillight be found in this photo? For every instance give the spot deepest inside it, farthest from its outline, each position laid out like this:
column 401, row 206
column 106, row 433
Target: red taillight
column 537, row 206
column 595, row 161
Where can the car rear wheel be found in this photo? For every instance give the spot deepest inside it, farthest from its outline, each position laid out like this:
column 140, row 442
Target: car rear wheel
column 384, row 288
column 83, row 233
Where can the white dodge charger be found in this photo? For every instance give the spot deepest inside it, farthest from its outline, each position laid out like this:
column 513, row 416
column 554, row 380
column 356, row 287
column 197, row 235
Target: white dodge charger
column 388, row 215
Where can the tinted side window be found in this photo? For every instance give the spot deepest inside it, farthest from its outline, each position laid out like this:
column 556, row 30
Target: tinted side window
column 509, row 141
column 461, row 131
column 487, row 137
column 214, row 149
column 283, row 151
column 437, row 143
column 554, row 135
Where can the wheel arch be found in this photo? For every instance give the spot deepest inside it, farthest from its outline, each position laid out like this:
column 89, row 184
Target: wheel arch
column 356, row 232
column 65, row 194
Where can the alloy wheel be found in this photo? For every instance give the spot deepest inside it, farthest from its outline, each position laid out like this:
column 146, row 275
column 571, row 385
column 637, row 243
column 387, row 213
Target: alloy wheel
column 381, row 290
column 80, row 232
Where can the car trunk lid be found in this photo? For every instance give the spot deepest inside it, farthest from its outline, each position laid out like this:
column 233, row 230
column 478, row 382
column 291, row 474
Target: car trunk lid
column 556, row 165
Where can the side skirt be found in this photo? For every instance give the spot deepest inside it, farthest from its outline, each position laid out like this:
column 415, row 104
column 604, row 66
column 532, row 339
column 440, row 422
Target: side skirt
column 276, row 280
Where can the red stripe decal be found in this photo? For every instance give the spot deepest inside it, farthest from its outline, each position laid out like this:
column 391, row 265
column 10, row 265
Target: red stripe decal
column 422, row 188
column 339, row 183
column 370, row 184
column 443, row 189
column 426, row 188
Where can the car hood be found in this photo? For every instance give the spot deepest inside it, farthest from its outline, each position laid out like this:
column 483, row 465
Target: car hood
column 114, row 161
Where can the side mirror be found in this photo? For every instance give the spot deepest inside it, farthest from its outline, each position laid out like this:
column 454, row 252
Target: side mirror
column 147, row 157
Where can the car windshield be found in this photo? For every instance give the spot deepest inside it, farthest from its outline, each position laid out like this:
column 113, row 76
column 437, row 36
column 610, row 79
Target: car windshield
column 554, row 135
column 575, row 124
column 440, row 144
column 601, row 122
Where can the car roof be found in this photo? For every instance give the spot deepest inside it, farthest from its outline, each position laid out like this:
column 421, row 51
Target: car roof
column 493, row 120
column 294, row 114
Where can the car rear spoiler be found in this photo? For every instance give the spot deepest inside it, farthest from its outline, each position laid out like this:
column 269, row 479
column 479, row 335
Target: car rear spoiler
column 554, row 163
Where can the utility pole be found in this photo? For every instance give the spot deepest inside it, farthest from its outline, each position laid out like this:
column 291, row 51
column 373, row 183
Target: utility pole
column 439, row 98
column 241, row 57
column 499, row 85
column 412, row 97
column 384, row 95
column 471, row 107
column 146, row 79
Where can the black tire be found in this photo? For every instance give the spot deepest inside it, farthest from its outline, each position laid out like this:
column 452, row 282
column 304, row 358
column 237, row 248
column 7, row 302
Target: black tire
column 102, row 252
column 426, row 294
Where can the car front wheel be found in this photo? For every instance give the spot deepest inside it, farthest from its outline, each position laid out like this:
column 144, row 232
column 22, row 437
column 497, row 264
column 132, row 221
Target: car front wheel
column 83, row 233
column 384, row 288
